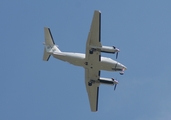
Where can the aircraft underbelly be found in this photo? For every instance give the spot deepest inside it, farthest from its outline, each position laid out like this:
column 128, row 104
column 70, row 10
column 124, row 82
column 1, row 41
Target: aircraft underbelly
column 75, row 60
column 106, row 66
column 102, row 65
column 79, row 60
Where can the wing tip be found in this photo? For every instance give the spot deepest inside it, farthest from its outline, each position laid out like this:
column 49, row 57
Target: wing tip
column 95, row 109
column 97, row 11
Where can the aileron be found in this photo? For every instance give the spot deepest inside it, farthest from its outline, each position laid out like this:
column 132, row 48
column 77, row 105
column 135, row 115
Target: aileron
column 93, row 89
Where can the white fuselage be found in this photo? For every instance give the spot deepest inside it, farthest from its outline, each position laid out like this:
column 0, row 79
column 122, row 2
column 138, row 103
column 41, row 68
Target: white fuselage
column 78, row 59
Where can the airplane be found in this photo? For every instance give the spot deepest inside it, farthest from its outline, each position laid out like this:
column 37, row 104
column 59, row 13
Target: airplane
column 91, row 61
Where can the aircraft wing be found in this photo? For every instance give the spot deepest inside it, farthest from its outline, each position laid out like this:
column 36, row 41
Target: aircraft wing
column 94, row 36
column 92, row 72
column 93, row 91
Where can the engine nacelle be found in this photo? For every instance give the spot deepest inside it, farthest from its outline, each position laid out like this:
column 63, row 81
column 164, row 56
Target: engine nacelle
column 106, row 49
column 108, row 81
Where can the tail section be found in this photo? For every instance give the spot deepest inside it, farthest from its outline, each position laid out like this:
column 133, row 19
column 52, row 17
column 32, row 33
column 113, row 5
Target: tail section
column 49, row 44
column 46, row 56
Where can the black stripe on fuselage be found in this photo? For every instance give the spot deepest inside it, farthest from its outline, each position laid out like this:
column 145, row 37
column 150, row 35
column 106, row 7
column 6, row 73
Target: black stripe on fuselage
column 106, row 82
column 116, row 69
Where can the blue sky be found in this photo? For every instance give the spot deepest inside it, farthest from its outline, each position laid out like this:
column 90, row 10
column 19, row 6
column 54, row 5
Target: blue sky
column 32, row 89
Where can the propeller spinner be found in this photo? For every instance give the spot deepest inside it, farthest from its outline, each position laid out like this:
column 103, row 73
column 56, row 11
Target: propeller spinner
column 117, row 51
column 115, row 83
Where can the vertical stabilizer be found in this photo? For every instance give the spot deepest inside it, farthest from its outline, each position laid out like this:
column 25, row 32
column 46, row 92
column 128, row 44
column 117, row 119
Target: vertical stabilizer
column 50, row 46
column 48, row 37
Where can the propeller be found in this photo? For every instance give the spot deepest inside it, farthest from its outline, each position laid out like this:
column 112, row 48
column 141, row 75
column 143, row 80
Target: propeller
column 115, row 86
column 115, row 83
column 116, row 55
column 117, row 51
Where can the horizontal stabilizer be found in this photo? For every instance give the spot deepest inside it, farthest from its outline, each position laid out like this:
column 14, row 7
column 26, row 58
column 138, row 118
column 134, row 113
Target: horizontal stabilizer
column 48, row 37
column 49, row 44
column 46, row 56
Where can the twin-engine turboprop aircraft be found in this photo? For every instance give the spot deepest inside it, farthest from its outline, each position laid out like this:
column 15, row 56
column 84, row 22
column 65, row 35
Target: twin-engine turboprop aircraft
column 91, row 61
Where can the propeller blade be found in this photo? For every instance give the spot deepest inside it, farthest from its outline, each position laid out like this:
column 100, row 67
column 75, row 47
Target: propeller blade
column 116, row 55
column 115, row 86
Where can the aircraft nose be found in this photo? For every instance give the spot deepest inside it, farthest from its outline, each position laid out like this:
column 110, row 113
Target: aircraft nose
column 122, row 66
